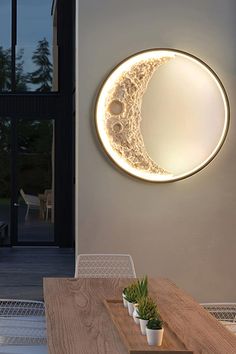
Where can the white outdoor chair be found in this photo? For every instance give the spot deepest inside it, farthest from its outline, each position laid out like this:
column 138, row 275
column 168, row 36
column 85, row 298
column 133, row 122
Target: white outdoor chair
column 48, row 205
column 223, row 312
column 32, row 202
column 22, row 327
column 104, row 266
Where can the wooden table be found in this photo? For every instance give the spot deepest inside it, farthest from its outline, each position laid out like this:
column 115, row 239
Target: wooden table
column 78, row 323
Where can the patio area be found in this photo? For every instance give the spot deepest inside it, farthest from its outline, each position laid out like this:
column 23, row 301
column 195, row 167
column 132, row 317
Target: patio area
column 22, row 270
column 34, row 229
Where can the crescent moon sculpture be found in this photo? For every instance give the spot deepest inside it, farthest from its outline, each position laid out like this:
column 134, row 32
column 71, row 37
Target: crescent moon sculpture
column 123, row 115
column 118, row 115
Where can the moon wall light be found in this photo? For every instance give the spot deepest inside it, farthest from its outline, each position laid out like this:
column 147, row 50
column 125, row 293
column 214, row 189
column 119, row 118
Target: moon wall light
column 162, row 115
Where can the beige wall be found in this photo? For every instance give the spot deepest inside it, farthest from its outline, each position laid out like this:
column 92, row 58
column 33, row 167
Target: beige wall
column 183, row 230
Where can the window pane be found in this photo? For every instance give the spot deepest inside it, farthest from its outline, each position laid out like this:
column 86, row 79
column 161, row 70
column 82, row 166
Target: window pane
column 5, row 187
column 34, row 45
column 35, row 175
column 5, row 45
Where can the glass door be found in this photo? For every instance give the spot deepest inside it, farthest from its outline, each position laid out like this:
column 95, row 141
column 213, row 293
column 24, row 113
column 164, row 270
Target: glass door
column 5, row 180
column 34, row 161
column 27, row 182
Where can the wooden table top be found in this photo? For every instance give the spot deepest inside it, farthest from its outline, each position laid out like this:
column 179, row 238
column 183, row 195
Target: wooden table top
column 78, row 322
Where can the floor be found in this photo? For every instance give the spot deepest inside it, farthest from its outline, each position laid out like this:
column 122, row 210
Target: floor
column 34, row 229
column 22, row 270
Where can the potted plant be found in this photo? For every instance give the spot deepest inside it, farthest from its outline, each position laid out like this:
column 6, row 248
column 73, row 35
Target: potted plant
column 142, row 287
column 131, row 297
column 135, row 314
column 154, row 331
column 125, row 302
column 142, row 291
column 147, row 309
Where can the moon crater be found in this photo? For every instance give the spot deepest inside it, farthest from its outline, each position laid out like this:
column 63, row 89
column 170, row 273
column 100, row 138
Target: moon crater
column 124, row 101
column 121, row 103
column 116, row 107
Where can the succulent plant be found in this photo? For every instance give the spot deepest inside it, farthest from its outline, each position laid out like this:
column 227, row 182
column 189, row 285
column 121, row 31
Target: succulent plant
column 142, row 288
column 155, row 323
column 147, row 308
column 131, row 293
column 136, row 290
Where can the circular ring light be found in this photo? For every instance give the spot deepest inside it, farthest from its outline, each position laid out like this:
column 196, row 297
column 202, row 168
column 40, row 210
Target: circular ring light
column 162, row 115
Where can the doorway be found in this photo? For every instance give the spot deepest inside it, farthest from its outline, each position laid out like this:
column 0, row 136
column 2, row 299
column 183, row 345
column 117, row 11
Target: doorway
column 28, row 95
column 27, row 192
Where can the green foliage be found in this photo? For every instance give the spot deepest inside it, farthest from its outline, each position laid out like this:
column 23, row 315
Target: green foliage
column 21, row 77
column 131, row 293
column 42, row 76
column 155, row 323
column 136, row 290
column 142, row 288
column 34, row 156
column 5, row 69
column 34, row 137
column 147, row 308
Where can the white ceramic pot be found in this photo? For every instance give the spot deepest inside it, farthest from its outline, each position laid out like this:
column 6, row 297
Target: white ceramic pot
column 125, row 302
column 135, row 315
column 130, row 308
column 154, row 336
column 143, row 324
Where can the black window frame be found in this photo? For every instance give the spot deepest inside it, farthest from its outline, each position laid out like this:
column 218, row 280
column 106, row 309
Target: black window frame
column 53, row 105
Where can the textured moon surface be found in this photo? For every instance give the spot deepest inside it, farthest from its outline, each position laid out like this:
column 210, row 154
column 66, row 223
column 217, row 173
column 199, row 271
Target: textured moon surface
column 162, row 124
column 123, row 115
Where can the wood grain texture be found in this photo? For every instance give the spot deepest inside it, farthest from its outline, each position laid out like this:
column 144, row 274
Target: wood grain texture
column 79, row 323
column 77, row 320
column 131, row 336
column 199, row 330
